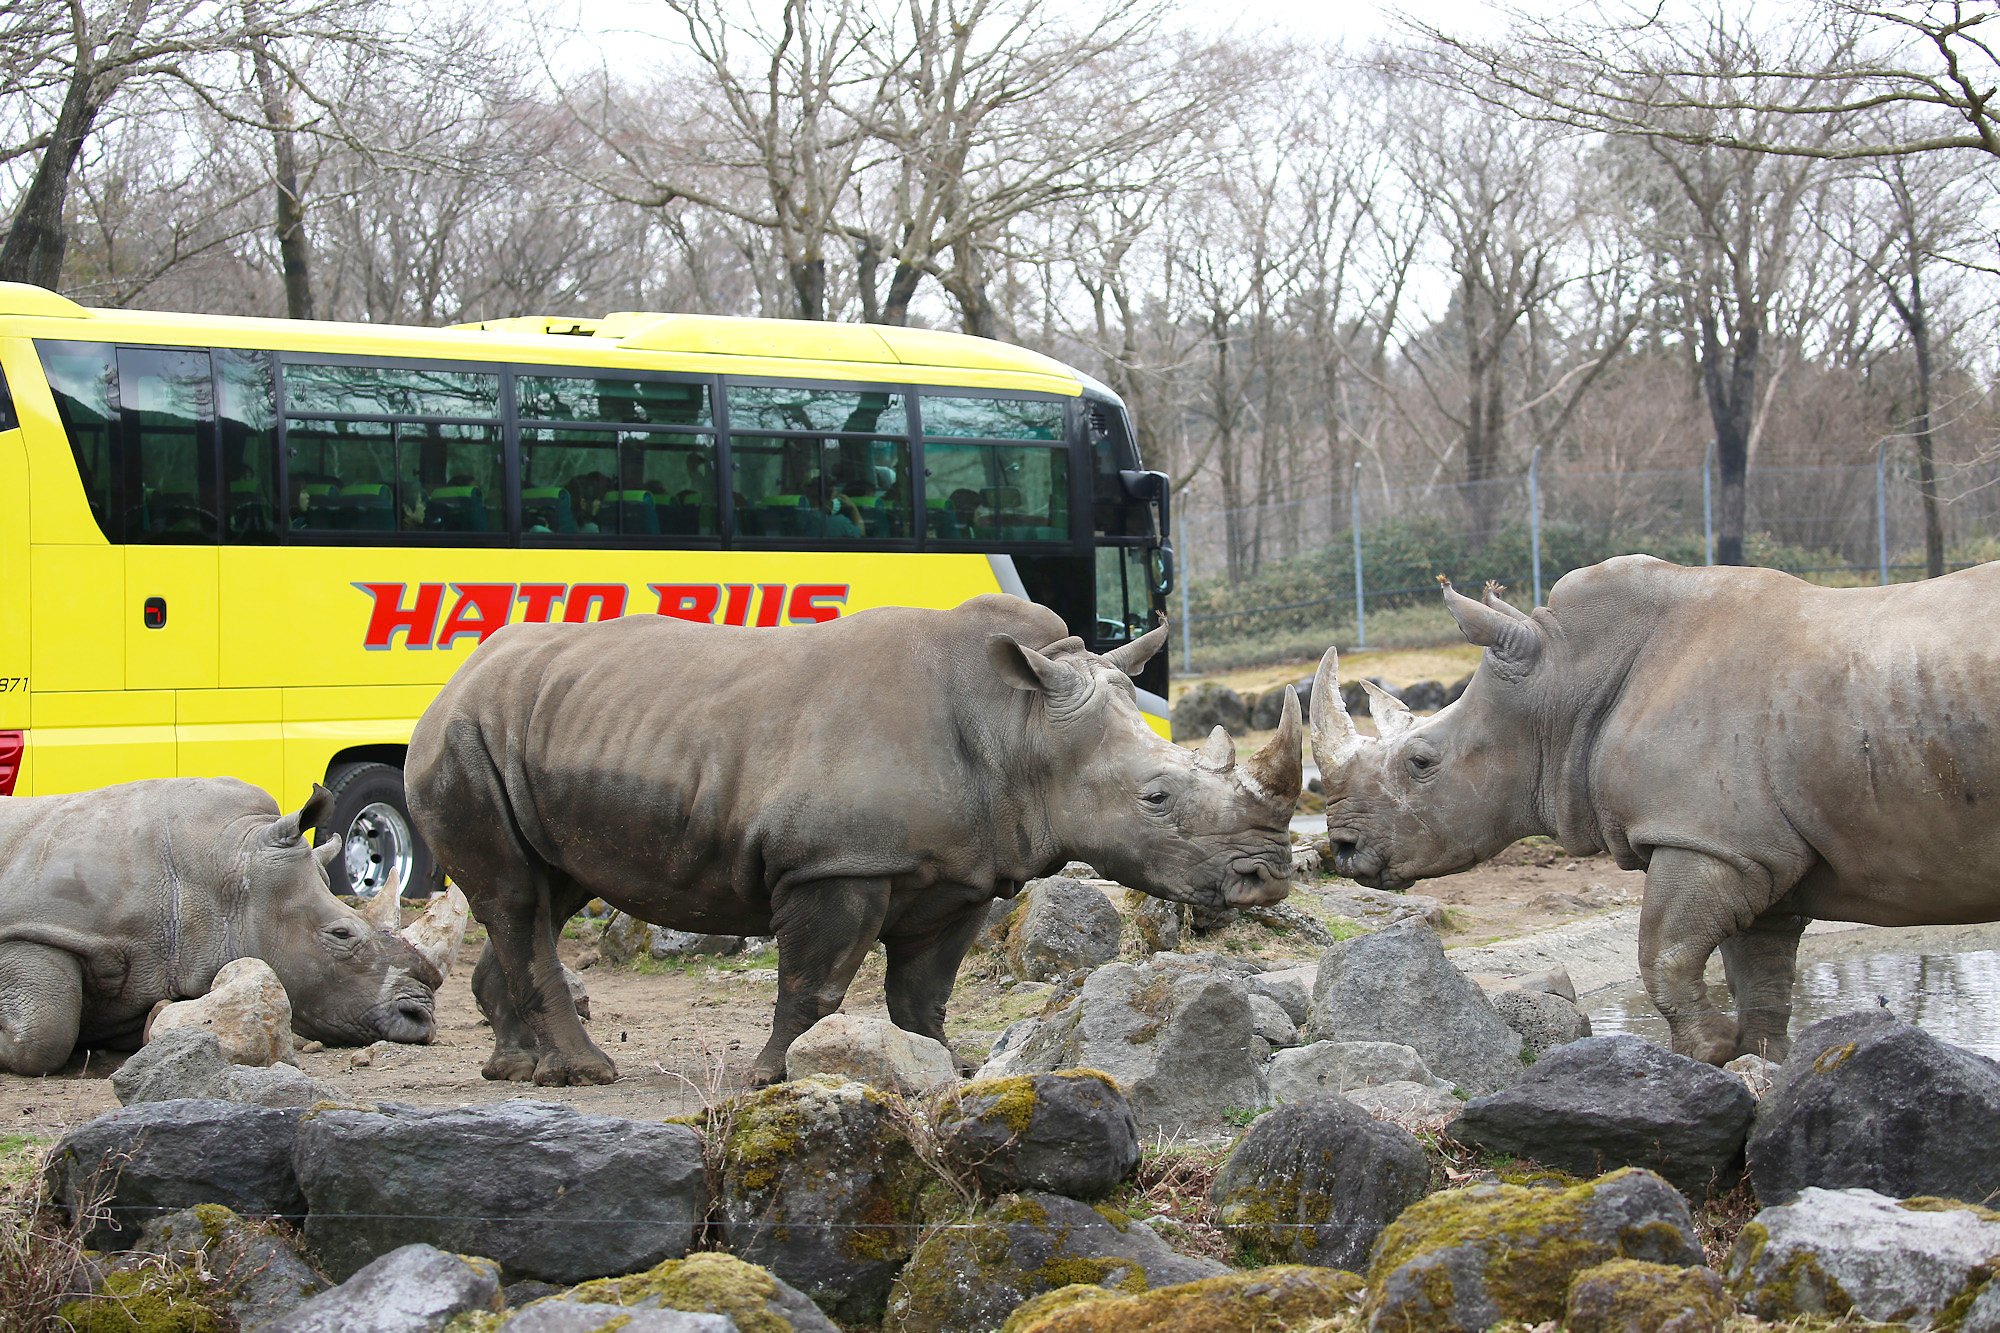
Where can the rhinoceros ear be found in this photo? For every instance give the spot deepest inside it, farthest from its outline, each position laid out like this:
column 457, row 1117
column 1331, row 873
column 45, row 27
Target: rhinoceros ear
column 1025, row 669
column 1392, row 716
column 1512, row 640
column 287, row 829
column 1495, row 598
column 1132, row 657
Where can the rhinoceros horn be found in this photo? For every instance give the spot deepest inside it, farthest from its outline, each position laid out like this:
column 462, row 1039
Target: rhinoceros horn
column 1513, row 641
column 1276, row 770
column 1334, row 739
column 1218, row 752
column 1392, row 716
column 438, row 933
column 385, row 910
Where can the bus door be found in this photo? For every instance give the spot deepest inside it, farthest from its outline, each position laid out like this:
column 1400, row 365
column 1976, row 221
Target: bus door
column 1134, row 560
column 172, row 506
column 13, row 596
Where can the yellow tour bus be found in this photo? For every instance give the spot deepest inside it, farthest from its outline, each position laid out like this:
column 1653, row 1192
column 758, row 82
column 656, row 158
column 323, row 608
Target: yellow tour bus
column 259, row 547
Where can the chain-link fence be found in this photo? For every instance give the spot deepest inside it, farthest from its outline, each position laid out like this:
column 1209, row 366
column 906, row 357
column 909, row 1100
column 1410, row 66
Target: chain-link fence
column 1356, row 566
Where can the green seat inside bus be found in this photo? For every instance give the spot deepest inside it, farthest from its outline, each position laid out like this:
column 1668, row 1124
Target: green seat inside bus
column 363, row 507
column 547, row 509
column 249, row 506
column 636, row 511
column 456, row 509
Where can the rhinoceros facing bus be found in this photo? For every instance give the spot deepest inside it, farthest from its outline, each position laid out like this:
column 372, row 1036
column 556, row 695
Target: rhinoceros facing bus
column 1768, row 751
column 114, row 900
column 883, row 776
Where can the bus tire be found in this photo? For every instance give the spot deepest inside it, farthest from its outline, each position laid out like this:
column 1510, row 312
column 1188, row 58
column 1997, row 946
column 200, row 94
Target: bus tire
column 373, row 821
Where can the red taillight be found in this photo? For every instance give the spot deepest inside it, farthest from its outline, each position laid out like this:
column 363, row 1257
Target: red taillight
column 12, row 746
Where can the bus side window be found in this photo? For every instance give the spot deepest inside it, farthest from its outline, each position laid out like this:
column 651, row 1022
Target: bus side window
column 8, row 421
column 246, row 414
column 166, row 398
column 83, row 377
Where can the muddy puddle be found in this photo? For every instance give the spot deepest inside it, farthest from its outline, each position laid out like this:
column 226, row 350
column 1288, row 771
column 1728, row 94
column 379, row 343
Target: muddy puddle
column 1953, row 996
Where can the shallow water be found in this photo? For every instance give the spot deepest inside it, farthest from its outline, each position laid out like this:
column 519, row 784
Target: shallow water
column 1954, row 996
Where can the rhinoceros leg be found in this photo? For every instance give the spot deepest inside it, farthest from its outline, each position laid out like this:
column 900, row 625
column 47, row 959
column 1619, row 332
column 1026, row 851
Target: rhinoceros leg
column 41, row 1007
column 1693, row 903
column 519, row 907
column 824, row 930
column 517, row 1051
column 1761, row 962
column 923, row 964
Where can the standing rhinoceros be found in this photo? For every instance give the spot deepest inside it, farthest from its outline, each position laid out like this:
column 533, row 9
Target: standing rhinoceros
column 1766, row 750
column 116, row 899
column 882, row 776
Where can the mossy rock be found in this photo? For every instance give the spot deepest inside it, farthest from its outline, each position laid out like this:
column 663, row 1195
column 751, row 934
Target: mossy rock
column 968, row 1276
column 1315, row 1182
column 164, row 1299
column 254, row 1264
column 821, row 1185
column 1264, row 1300
column 1069, row 1132
column 710, row 1283
column 1468, row 1258
column 1632, row 1296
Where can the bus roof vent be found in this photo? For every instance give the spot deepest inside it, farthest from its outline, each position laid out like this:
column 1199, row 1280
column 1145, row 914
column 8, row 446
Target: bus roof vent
column 24, row 298
column 728, row 335
column 570, row 325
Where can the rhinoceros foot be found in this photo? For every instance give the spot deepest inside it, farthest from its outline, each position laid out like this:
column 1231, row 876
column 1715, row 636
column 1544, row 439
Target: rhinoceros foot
column 557, row 1070
column 510, row 1067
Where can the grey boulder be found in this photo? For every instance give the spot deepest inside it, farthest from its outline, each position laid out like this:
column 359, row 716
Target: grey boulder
column 1179, row 1043
column 548, row 1191
column 144, row 1161
column 1290, row 989
column 874, row 1051
column 1868, row 1102
column 1062, row 925
column 1069, row 1133
column 1466, row 1259
column 1204, row 708
column 821, row 1185
column 966, row 1278
column 1607, row 1102
column 1346, row 1067
column 706, row 1284
column 1396, row 985
column 180, row 1063
column 1545, row 1021
column 259, row 1274
column 414, row 1289
column 1829, row 1252
column 561, row 1315
column 1315, row 1182
column 1271, row 1022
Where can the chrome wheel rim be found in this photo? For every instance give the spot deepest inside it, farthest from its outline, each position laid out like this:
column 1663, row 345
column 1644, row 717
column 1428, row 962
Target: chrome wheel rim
column 377, row 843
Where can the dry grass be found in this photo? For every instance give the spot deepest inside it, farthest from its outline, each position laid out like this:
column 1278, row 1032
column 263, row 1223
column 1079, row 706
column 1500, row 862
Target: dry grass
column 41, row 1247
column 1172, row 1184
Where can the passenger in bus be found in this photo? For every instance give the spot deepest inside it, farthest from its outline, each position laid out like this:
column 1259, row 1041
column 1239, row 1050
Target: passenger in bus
column 969, row 508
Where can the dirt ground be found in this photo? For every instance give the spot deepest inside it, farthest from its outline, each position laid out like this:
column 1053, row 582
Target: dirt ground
column 683, row 1034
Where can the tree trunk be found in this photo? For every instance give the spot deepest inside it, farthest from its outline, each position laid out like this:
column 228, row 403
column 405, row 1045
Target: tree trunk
column 1732, row 398
column 1917, row 319
column 290, row 213
column 35, row 242
column 809, row 286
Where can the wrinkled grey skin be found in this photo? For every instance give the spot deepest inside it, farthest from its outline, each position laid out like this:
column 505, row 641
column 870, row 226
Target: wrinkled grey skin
column 114, row 900
column 1768, row 751
column 883, row 776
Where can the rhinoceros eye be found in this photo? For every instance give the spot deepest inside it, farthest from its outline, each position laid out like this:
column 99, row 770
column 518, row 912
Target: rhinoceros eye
column 1154, row 798
column 1423, row 766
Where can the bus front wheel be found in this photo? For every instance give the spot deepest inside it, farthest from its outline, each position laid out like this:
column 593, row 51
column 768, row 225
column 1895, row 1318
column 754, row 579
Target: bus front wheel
column 373, row 821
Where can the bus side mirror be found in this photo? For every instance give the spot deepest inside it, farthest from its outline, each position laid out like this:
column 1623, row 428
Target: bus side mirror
column 1150, row 488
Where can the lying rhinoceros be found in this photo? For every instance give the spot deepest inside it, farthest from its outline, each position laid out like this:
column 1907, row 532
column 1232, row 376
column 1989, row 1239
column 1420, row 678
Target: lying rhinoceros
column 883, row 776
column 114, row 900
column 1766, row 750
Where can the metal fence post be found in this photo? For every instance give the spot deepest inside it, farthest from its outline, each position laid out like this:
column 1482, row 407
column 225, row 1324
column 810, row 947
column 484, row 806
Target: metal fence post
column 1535, row 519
column 1360, row 587
column 1882, row 510
column 1708, row 504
